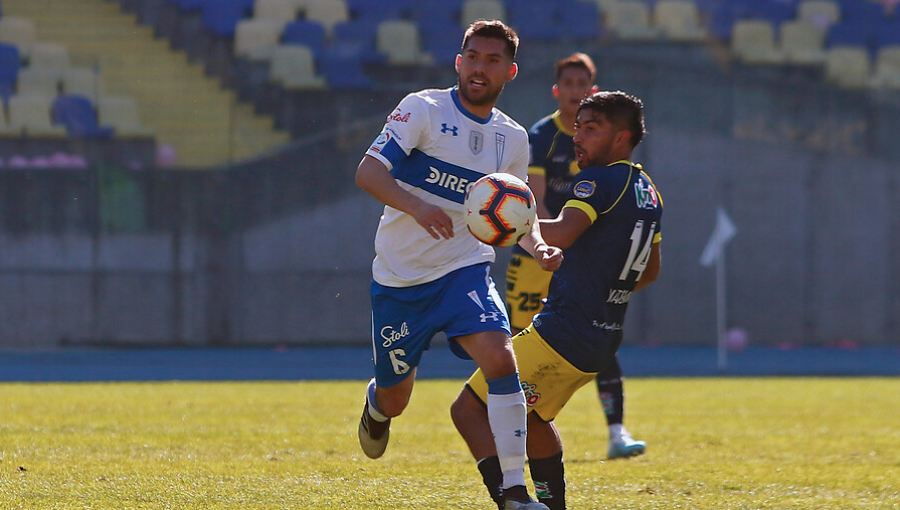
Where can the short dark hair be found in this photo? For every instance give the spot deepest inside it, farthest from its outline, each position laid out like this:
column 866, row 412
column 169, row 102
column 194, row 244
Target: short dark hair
column 494, row 29
column 622, row 110
column 578, row 61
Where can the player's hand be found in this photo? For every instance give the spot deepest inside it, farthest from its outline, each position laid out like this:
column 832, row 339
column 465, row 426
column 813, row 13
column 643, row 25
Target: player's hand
column 549, row 257
column 434, row 220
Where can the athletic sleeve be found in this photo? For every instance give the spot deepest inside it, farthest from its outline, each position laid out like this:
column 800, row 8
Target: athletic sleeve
column 589, row 195
column 402, row 132
column 537, row 151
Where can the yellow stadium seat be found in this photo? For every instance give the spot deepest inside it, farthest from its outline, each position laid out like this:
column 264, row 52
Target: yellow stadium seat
column 19, row 32
column 38, row 81
column 848, row 66
column 887, row 68
column 821, row 13
column 679, row 20
column 802, row 43
column 399, row 40
column 630, row 20
column 284, row 11
column 120, row 112
column 31, row 113
column 293, row 67
column 753, row 42
column 256, row 39
column 50, row 55
column 83, row 81
column 481, row 9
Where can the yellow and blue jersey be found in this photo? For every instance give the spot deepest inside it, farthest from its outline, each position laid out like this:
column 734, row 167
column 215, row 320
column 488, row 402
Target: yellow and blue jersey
column 584, row 313
column 552, row 155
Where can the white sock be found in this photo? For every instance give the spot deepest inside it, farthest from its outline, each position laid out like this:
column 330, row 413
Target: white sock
column 616, row 431
column 374, row 412
column 507, row 416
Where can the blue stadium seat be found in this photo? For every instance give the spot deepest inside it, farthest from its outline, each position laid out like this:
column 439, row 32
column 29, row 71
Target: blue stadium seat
column 862, row 12
column 10, row 62
column 310, row 33
column 376, row 12
column 188, row 5
column 849, row 34
column 887, row 34
column 580, row 20
column 442, row 38
column 77, row 114
column 222, row 16
column 344, row 70
column 357, row 37
column 438, row 11
column 535, row 19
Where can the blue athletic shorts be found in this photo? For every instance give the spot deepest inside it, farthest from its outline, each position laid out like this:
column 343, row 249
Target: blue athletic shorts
column 404, row 320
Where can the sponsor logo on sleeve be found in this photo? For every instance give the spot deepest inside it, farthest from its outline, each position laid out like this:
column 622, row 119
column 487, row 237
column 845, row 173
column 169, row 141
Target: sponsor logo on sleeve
column 380, row 142
column 645, row 195
column 584, row 189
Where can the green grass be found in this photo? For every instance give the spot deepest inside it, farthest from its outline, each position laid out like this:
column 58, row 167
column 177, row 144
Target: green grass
column 713, row 444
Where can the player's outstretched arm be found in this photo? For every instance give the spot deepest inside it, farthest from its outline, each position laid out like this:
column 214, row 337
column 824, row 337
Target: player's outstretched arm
column 376, row 179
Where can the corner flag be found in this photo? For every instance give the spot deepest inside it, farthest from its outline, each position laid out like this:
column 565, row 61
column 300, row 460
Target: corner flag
column 722, row 233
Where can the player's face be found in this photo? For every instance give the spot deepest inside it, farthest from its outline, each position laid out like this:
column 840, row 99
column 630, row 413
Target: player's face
column 484, row 68
column 596, row 139
column 574, row 84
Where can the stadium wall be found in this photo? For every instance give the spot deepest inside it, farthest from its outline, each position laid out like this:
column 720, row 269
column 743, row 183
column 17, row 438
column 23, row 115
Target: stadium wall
column 278, row 250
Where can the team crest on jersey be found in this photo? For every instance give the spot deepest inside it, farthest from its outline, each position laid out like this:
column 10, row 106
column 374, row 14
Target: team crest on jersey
column 645, row 195
column 584, row 189
column 380, row 141
column 476, row 142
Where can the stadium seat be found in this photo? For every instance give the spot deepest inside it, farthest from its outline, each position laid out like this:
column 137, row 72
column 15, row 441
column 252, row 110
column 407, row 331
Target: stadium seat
column 630, row 20
column 50, row 55
column 887, row 68
column 848, row 34
column 399, row 41
column 19, row 32
column 753, row 42
column 580, row 20
column 821, row 13
column 256, row 39
column 535, row 19
column 76, row 114
column 359, row 37
column 481, row 9
column 344, row 71
column 679, row 20
column 436, row 11
column 83, row 81
column 38, row 81
column 441, row 38
column 310, row 33
column 327, row 12
column 886, row 34
column 376, row 12
column 848, row 66
column 10, row 63
column 30, row 113
column 802, row 43
column 293, row 67
column 283, row 11
column 863, row 12
column 121, row 114
column 222, row 16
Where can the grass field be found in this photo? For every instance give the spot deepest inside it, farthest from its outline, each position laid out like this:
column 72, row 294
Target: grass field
column 715, row 444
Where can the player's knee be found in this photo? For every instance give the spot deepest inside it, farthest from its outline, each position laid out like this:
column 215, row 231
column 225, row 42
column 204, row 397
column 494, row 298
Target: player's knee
column 500, row 361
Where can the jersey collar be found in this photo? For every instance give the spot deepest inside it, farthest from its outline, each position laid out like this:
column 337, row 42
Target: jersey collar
column 465, row 112
column 568, row 131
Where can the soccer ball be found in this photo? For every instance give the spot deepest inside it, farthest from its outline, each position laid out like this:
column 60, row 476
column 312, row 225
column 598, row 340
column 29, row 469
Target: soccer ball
column 500, row 209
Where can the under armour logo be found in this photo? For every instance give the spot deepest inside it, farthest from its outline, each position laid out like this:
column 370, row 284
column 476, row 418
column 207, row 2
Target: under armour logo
column 492, row 315
column 445, row 129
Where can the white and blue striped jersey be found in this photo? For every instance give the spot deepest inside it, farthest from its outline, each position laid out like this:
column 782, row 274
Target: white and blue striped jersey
column 435, row 149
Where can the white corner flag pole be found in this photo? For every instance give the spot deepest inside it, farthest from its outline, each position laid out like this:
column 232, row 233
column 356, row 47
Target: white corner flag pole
column 714, row 252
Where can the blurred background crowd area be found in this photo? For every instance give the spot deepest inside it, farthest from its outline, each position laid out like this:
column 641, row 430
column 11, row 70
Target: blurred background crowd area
column 180, row 172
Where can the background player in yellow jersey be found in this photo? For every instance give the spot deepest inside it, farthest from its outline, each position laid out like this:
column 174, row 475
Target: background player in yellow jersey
column 551, row 174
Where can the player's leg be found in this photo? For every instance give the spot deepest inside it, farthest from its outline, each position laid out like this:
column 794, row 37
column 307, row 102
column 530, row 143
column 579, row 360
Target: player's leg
column 505, row 410
column 397, row 349
column 611, row 391
column 545, row 460
column 526, row 287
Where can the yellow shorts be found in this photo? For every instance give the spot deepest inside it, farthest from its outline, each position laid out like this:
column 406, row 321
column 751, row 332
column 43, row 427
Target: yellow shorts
column 548, row 379
column 526, row 286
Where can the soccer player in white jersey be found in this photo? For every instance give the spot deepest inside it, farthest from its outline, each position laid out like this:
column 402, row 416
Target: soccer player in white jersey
column 429, row 273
